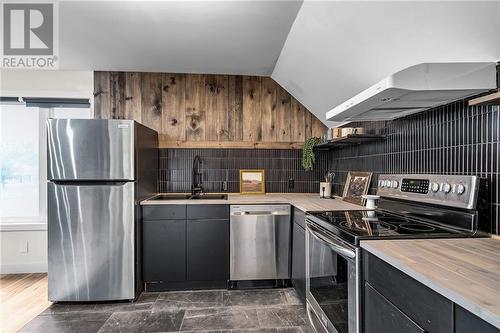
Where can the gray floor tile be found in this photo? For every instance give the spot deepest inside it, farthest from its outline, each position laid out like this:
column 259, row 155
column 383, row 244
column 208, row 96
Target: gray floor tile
column 256, row 330
column 291, row 296
column 281, row 316
column 188, row 300
column 254, row 297
column 76, row 322
column 219, row 319
column 148, row 297
column 143, row 321
column 296, row 329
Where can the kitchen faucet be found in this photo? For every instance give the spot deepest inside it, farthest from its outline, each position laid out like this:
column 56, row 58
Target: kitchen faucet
column 197, row 183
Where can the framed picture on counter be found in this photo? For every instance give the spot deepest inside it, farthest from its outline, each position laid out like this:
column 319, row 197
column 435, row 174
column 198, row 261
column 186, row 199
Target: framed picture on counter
column 356, row 185
column 252, row 182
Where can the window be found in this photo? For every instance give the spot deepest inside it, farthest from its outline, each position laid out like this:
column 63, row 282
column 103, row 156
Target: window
column 23, row 180
column 19, row 159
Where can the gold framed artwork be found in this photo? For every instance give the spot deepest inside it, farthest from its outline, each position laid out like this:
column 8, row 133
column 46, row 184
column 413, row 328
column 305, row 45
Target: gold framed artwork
column 356, row 185
column 252, row 182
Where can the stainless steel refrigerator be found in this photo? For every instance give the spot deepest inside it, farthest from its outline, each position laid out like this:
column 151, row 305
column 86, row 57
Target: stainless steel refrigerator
column 98, row 172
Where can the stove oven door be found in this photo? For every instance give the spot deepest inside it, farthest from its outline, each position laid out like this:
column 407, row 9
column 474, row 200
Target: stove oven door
column 332, row 287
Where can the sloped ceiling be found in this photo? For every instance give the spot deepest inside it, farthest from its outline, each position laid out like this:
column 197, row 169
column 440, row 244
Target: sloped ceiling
column 223, row 37
column 337, row 49
column 322, row 52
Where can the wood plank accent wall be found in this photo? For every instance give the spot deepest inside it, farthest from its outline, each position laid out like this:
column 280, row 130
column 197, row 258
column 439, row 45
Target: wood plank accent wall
column 205, row 110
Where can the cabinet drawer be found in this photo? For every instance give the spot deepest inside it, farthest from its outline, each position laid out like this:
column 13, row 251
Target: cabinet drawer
column 299, row 217
column 195, row 212
column 164, row 212
column 380, row 315
column 431, row 311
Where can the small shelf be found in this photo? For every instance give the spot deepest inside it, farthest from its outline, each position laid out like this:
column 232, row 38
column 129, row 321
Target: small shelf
column 491, row 99
column 349, row 140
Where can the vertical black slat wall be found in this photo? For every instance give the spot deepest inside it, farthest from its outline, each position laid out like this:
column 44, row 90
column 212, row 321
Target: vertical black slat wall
column 452, row 139
column 221, row 165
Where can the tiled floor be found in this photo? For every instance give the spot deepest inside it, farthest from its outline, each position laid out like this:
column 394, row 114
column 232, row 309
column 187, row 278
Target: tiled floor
column 264, row 310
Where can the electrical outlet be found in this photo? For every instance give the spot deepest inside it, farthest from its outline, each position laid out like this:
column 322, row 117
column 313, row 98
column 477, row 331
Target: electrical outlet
column 224, row 186
column 291, row 183
column 24, row 247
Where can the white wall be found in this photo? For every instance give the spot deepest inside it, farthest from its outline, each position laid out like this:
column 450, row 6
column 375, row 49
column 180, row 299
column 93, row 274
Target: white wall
column 23, row 246
column 64, row 84
column 337, row 49
column 23, row 251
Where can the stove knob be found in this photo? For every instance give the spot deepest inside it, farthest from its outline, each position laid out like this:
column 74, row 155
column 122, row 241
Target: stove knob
column 434, row 187
column 395, row 184
column 460, row 189
column 384, row 183
column 380, row 183
column 445, row 187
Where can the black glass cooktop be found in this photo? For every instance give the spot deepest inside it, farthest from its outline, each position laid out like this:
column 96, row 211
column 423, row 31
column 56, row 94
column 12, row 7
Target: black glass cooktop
column 356, row 225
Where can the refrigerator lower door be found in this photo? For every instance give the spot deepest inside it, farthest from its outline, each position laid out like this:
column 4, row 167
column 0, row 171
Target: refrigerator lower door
column 91, row 242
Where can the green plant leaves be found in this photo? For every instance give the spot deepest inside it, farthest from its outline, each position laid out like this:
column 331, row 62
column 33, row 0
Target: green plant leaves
column 308, row 157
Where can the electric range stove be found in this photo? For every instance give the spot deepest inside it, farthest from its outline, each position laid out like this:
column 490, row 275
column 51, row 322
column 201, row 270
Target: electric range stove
column 433, row 206
column 354, row 226
column 410, row 206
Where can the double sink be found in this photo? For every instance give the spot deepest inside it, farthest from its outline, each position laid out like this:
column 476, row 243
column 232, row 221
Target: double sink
column 204, row 196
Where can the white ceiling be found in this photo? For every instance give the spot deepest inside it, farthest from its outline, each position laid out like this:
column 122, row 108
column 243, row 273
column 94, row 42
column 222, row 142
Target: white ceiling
column 322, row 52
column 337, row 49
column 232, row 37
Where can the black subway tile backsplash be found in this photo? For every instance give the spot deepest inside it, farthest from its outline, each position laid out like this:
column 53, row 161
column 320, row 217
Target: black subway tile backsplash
column 223, row 165
column 451, row 139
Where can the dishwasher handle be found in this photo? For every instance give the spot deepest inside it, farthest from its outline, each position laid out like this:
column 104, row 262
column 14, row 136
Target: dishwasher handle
column 260, row 213
column 260, row 210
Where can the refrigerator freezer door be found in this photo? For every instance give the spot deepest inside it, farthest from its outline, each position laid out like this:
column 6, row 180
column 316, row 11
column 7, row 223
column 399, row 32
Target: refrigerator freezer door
column 91, row 242
column 90, row 149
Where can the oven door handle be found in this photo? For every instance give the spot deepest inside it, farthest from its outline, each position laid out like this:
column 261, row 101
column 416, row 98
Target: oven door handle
column 333, row 244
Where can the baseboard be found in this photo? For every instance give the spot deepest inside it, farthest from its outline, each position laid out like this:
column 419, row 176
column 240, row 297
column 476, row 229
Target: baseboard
column 39, row 267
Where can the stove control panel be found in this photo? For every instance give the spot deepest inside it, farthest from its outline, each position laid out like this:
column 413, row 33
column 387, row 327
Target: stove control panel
column 447, row 190
column 415, row 185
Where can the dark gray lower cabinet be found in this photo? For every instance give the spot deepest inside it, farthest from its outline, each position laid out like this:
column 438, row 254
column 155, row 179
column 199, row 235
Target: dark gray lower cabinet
column 185, row 247
column 395, row 302
column 299, row 261
column 208, row 250
column 380, row 315
column 164, row 250
column 466, row 322
column 430, row 310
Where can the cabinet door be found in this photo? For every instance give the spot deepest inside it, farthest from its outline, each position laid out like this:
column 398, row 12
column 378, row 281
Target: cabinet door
column 380, row 315
column 164, row 250
column 430, row 310
column 208, row 250
column 466, row 322
column 299, row 261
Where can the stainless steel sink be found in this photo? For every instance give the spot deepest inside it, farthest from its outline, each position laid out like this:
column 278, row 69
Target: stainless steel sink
column 209, row 197
column 190, row 197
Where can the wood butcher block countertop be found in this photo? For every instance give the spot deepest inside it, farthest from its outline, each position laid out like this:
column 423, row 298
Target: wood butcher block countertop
column 466, row 271
column 306, row 202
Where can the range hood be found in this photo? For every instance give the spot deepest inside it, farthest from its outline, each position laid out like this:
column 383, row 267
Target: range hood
column 416, row 89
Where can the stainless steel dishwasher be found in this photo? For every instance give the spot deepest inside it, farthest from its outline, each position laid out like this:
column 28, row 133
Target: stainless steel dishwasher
column 260, row 242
